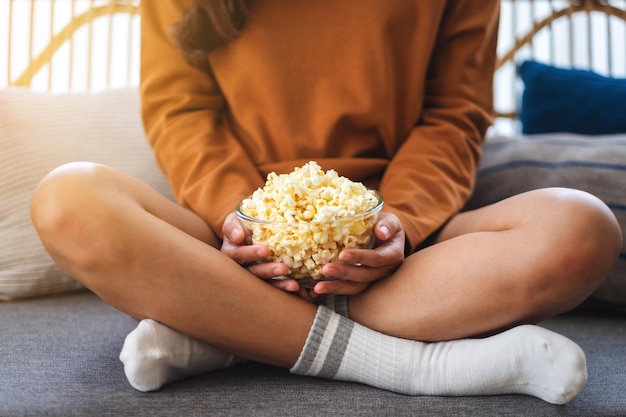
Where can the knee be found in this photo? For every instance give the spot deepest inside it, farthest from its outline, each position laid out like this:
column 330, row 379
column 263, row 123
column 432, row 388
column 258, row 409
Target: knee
column 583, row 234
column 59, row 197
column 63, row 207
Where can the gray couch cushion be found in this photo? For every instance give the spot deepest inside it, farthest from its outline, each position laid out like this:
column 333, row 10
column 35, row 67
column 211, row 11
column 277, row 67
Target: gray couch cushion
column 59, row 357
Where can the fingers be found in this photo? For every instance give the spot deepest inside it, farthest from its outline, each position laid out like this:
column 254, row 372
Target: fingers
column 387, row 226
column 233, row 230
column 357, row 272
column 339, row 287
column 356, row 269
column 252, row 257
column 245, row 255
column 234, row 245
column 288, row 285
column 388, row 254
column 267, row 270
column 389, row 248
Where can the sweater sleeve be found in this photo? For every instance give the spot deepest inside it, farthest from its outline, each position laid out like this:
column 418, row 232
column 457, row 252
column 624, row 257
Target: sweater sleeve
column 184, row 118
column 433, row 173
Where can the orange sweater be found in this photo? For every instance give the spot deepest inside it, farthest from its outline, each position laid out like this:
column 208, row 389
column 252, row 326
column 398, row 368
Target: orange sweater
column 394, row 93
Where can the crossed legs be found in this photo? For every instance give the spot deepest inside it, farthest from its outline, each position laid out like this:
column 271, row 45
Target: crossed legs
column 150, row 258
column 521, row 260
column 541, row 253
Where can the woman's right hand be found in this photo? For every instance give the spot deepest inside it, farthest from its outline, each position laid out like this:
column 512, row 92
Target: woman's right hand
column 253, row 257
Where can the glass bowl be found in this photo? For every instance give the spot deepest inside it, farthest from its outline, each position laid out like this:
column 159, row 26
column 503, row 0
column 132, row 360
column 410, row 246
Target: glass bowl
column 305, row 247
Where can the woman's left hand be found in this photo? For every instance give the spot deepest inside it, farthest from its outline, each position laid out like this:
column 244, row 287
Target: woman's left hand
column 358, row 268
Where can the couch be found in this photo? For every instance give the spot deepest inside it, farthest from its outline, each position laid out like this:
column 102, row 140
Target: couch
column 59, row 343
column 59, row 357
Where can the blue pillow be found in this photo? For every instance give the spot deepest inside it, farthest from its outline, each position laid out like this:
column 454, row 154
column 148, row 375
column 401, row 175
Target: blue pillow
column 571, row 100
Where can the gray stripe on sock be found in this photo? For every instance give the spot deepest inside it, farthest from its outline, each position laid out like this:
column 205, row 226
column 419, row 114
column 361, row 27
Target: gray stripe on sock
column 313, row 341
column 337, row 303
column 325, row 300
column 341, row 305
column 337, row 349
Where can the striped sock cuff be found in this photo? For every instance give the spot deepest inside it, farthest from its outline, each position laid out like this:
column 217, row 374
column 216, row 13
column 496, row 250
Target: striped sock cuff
column 325, row 345
column 341, row 305
column 337, row 303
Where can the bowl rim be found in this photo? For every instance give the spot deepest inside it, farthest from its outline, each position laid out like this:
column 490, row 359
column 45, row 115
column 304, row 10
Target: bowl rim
column 373, row 210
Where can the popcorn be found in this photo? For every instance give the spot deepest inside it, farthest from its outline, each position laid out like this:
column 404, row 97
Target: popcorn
column 306, row 218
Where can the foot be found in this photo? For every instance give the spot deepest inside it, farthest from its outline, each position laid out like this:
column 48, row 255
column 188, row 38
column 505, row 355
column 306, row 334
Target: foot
column 155, row 355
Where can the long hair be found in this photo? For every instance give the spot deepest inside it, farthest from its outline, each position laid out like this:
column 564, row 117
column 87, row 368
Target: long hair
column 207, row 25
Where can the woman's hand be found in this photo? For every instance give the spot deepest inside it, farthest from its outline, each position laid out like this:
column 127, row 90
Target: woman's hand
column 358, row 268
column 251, row 257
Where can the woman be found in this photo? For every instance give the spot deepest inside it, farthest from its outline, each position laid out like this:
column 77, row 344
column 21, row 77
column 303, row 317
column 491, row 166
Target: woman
column 396, row 94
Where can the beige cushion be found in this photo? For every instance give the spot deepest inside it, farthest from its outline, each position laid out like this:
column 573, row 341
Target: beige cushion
column 39, row 132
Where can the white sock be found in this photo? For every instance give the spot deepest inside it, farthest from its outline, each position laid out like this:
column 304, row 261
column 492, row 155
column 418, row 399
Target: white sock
column 155, row 355
column 337, row 303
column 524, row 360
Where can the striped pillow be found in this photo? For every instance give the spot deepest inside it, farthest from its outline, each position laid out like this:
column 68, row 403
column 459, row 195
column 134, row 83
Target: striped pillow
column 39, row 132
column 596, row 164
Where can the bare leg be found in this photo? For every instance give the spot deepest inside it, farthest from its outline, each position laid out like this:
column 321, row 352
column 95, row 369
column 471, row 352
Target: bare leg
column 152, row 259
column 518, row 261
